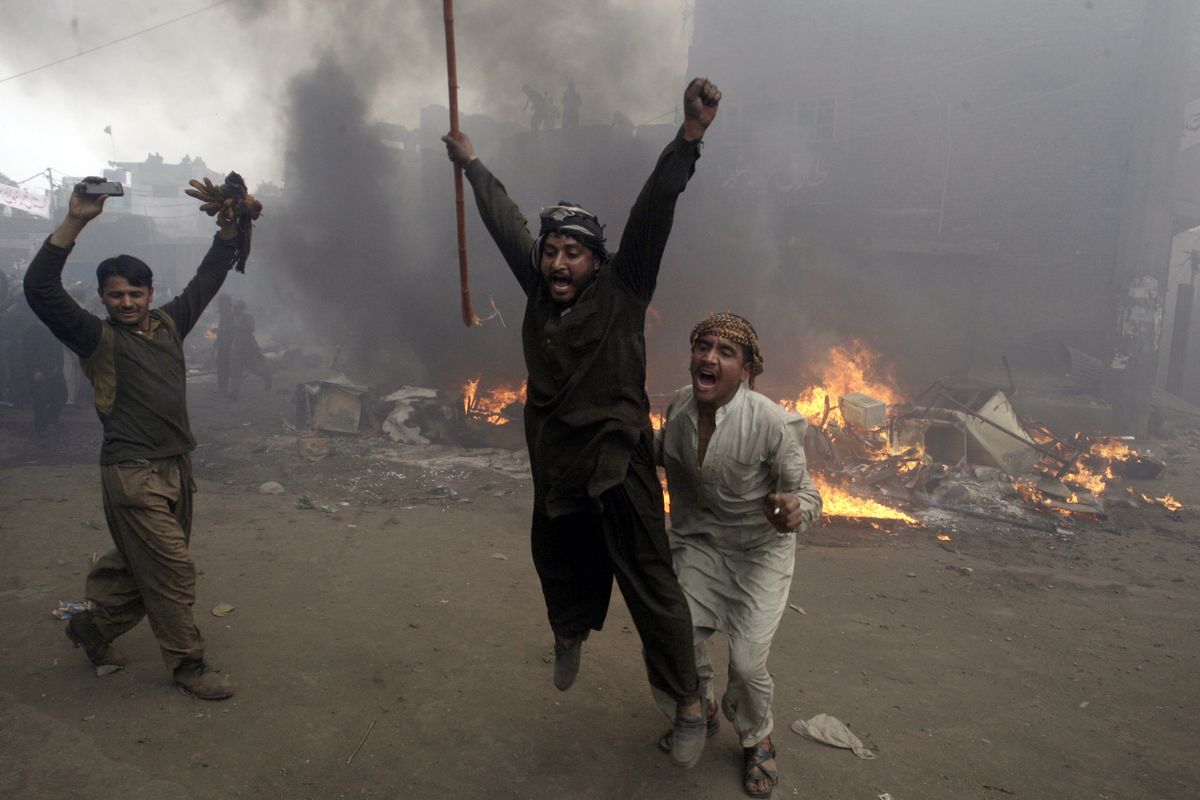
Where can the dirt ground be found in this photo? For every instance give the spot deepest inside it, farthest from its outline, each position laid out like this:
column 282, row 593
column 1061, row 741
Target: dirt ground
column 400, row 622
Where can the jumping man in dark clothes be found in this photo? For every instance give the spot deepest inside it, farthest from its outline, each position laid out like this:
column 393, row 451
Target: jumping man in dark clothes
column 598, row 511
column 134, row 360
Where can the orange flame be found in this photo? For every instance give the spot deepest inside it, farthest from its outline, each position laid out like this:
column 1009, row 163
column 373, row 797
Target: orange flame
column 849, row 368
column 1167, row 501
column 837, row 502
column 489, row 405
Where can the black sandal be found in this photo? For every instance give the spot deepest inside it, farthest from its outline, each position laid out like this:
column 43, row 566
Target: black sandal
column 753, row 770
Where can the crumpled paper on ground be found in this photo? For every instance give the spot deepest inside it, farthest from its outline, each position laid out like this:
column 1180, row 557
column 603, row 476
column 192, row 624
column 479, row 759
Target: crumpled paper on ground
column 831, row 731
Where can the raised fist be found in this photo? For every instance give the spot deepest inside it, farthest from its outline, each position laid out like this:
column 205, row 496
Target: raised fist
column 700, row 101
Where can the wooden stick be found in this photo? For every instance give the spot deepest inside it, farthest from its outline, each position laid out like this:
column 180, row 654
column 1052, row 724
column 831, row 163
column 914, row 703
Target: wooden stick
column 470, row 318
column 361, row 742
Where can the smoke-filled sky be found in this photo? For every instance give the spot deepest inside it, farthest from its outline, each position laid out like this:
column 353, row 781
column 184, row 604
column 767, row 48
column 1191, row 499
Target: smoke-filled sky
column 214, row 84
column 943, row 180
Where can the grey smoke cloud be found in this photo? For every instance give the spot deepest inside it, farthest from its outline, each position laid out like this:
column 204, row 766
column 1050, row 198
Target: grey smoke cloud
column 215, row 84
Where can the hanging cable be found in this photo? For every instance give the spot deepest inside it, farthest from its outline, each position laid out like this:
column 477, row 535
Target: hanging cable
column 115, row 41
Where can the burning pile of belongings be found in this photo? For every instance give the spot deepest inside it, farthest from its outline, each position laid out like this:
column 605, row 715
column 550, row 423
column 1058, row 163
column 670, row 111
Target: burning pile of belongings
column 472, row 417
column 884, row 462
column 878, row 459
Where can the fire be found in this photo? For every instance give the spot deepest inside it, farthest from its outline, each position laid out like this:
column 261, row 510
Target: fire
column 211, row 332
column 470, row 389
column 837, row 502
column 657, row 421
column 846, row 369
column 1094, row 470
column 849, row 368
column 1167, row 501
column 1089, row 480
column 1113, row 450
column 489, row 405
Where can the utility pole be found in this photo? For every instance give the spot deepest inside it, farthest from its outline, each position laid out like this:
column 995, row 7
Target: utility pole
column 1143, row 255
column 51, row 199
column 1184, row 297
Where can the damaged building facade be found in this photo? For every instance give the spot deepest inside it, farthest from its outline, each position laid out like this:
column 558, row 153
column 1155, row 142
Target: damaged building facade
column 951, row 184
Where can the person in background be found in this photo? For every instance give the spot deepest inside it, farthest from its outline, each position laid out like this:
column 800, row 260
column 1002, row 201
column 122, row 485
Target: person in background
column 571, row 102
column 224, row 342
column 42, row 359
column 244, row 353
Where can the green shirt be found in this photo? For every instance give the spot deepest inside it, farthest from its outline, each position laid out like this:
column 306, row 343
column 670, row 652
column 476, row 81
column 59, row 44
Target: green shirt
column 139, row 378
column 586, row 400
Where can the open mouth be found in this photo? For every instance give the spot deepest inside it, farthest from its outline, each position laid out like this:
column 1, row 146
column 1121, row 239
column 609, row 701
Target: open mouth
column 560, row 281
column 706, row 378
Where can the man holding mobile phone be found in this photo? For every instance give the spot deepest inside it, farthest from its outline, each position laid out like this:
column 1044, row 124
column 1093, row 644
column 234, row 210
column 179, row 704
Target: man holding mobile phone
column 134, row 360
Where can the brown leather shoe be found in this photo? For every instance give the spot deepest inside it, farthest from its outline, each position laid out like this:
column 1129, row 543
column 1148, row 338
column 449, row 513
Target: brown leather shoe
column 200, row 680
column 82, row 631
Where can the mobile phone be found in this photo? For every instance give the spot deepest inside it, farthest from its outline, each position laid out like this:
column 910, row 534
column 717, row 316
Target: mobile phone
column 105, row 187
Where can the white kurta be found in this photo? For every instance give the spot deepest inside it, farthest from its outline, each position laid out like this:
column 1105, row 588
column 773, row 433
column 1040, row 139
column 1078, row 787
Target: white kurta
column 734, row 567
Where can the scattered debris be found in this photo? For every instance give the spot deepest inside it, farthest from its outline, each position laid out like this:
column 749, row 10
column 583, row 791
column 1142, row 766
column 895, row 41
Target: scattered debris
column 863, row 410
column 333, row 405
column 797, row 609
column 831, row 731
column 411, row 407
column 361, row 742
column 313, row 448
column 271, row 487
column 222, row 609
column 64, row 610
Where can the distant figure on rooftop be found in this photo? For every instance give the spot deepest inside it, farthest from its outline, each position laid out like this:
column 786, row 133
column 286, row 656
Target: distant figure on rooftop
column 544, row 111
column 571, row 102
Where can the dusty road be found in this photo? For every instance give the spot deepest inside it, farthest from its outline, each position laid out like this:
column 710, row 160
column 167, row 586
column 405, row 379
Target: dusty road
column 1002, row 664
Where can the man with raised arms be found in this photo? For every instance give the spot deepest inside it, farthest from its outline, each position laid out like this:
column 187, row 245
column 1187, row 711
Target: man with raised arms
column 598, row 511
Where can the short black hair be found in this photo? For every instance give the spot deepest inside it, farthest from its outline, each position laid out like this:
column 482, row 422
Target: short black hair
column 134, row 270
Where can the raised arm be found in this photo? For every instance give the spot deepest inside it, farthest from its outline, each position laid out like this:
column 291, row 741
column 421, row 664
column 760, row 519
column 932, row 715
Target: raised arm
column 649, row 226
column 503, row 220
column 186, row 307
column 796, row 503
column 44, row 292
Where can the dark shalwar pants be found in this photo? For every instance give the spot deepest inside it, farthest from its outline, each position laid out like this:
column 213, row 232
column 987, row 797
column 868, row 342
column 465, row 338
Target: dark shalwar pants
column 578, row 555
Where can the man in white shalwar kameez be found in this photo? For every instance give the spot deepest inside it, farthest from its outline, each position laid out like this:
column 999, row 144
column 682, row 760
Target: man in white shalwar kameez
column 740, row 492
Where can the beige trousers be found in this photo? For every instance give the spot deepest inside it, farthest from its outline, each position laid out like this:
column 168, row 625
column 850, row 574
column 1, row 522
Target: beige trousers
column 150, row 573
column 748, row 696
